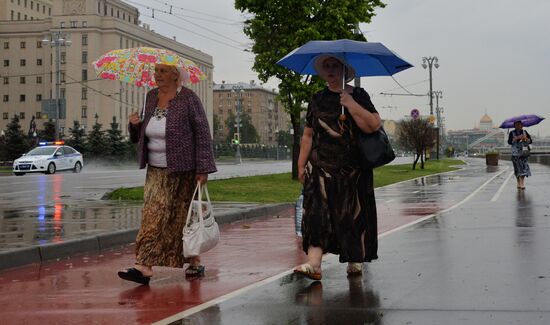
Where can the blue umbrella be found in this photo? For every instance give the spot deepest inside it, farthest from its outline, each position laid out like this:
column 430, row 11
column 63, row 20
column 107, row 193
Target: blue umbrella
column 526, row 120
column 368, row 59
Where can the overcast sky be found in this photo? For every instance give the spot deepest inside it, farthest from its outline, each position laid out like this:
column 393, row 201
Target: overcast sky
column 494, row 55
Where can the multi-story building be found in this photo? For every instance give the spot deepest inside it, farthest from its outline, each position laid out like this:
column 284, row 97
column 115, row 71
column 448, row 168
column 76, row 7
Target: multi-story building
column 481, row 138
column 27, row 64
column 261, row 104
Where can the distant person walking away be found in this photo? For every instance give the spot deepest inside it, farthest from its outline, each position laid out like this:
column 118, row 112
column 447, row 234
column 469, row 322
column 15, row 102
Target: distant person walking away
column 339, row 205
column 175, row 145
column 518, row 139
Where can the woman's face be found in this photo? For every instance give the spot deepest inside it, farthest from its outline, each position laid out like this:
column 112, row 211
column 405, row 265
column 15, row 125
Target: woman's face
column 332, row 71
column 518, row 125
column 165, row 75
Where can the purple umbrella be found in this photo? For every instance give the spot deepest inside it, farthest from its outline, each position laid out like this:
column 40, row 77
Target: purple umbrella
column 526, row 120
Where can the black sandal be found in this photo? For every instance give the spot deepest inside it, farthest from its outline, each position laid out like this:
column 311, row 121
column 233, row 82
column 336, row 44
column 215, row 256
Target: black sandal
column 135, row 275
column 193, row 271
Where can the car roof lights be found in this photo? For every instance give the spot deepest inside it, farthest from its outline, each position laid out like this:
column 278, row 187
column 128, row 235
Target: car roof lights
column 51, row 143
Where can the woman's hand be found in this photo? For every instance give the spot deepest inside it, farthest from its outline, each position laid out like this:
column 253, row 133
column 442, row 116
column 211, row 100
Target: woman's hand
column 346, row 99
column 301, row 174
column 202, row 178
column 134, row 118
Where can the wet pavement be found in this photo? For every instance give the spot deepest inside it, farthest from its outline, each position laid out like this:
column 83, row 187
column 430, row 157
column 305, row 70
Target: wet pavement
column 458, row 248
column 38, row 209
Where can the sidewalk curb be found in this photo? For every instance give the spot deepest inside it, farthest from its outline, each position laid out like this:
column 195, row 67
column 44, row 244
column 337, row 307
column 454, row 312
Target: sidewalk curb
column 51, row 251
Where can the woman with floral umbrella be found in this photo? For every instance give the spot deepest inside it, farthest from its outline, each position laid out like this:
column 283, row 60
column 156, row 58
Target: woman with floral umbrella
column 175, row 146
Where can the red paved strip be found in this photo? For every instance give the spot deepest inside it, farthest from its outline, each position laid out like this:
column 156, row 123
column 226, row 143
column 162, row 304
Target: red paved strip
column 86, row 290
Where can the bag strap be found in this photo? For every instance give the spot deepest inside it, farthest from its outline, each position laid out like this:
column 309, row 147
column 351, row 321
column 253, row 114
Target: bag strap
column 190, row 208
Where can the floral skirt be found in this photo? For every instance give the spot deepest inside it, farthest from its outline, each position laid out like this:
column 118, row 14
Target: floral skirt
column 166, row 197
column 521, row 166
column 340, row 213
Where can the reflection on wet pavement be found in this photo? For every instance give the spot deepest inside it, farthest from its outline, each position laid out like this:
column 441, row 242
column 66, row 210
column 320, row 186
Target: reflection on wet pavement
column 56, row 222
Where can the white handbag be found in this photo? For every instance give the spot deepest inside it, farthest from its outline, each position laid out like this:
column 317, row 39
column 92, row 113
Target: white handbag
column 201, row 232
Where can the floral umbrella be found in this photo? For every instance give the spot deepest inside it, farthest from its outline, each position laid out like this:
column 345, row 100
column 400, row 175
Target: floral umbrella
column 136, row 66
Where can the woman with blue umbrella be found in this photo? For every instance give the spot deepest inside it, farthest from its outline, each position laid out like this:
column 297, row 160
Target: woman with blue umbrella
column 339, row 207
column 340, row 210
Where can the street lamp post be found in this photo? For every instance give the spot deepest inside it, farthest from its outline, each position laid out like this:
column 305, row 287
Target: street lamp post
column 238, row 92
column 429, row 63
column 438, row 94
column 58, row 40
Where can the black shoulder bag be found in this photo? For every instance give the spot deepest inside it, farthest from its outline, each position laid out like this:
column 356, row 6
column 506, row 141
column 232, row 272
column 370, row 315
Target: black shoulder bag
column 376, row 149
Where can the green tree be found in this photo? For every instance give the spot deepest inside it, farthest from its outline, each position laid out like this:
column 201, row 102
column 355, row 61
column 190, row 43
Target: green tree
column 284, row 138
column 96, row 144
column 416, row 135
column 48, row 134
column 116, row 148
column 276, row 27
column 16, row 142
column 77, row 137
column 247, row 131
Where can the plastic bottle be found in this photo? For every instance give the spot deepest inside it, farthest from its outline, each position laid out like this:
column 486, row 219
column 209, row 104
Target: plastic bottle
column 298, row 213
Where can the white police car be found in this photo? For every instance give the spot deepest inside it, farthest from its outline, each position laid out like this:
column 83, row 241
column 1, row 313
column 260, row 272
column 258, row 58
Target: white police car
column 48, row 158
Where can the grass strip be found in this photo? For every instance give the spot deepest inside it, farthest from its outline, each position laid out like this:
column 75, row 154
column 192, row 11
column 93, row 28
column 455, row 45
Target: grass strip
column 280, row 188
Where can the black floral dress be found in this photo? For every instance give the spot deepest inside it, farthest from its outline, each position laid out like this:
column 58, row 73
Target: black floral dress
column 339, row 205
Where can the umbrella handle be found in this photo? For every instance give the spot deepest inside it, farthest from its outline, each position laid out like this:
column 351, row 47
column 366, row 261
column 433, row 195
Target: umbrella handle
column 142, row 114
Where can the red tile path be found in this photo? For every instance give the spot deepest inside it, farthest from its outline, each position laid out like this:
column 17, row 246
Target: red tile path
column 86, row 290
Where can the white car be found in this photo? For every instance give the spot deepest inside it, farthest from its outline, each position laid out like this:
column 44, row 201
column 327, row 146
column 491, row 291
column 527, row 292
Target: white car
column 48, row 158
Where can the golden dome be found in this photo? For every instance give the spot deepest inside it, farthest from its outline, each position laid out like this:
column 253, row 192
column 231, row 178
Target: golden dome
column 486, row 119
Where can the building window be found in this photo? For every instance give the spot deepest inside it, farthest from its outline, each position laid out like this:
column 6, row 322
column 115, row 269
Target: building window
column 49, row 11
column 21, row 115
column 84, row 113
column 5, row 116
column 38, row 61
column 84, row 24
column 62, row 76
column 84, row 57
column 32, row 5
column 6, row 63
column 6, row 98
column 25, row 3
column 62, row 24
column 112, row 12
column 6, row 45
column 123, row 16
column 38, row 115
column 44, row 9
column 18, row 16
column 63, row 57
column 25, row 17
column 22, row 62
column 38, row 97
column 22, row 98
column 84, row 39
column 62, row 93
column 73, row 23
column 38, row 79
column 84, row 75
column 22, row 80
column 84, row 93
column 23, row 45
column 38, row 44
column 6, row 80
column 12, row 15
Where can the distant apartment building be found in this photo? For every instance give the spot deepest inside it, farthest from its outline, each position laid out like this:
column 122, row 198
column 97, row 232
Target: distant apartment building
column 27, row 65
column 261, row 104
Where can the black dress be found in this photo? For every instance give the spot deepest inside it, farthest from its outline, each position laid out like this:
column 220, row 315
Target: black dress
column 339, row 205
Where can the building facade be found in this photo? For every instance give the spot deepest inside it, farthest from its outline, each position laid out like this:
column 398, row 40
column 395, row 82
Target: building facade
column 481, row 138
column 94, row 27
column 261, row 104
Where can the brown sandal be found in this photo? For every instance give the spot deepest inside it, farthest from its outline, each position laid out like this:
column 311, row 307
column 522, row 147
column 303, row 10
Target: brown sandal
column 308, row 271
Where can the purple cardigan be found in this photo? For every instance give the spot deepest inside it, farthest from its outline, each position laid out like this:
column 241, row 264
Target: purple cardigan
column 188, row 140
